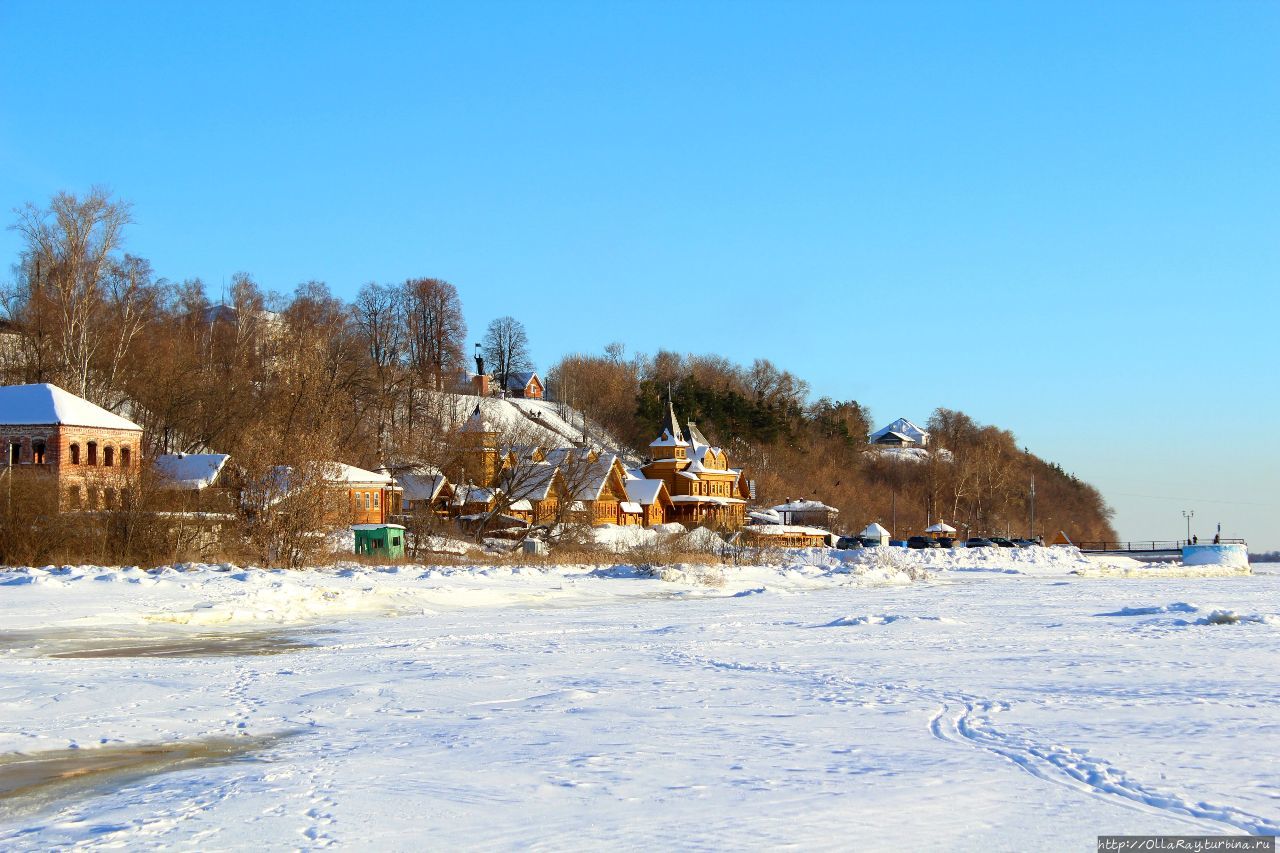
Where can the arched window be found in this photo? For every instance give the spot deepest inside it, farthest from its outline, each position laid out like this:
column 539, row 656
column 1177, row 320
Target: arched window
column 124, row 457
column 73, row 497
column 367, row 500
column 93, row 453
column 75, row 460
column 376, row 497
column 93, row 498
column 37, row 451
column 108, row 457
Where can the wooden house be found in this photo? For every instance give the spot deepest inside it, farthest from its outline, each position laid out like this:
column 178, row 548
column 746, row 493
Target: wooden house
column 652, row 498
column 900, row 433
column 807, row 513
column 704, row 488
column 425, row 490
column 526, row 385
column 88, row 454
column 786, row 536
column 370, row 497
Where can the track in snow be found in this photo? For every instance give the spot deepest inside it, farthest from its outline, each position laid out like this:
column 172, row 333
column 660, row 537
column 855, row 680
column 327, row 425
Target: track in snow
column 1066, row 766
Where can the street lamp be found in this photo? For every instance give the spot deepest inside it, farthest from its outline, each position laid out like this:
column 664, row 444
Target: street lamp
column 1188, row 514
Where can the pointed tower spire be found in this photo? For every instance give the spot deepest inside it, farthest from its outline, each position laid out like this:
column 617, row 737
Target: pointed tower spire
column 671, row 425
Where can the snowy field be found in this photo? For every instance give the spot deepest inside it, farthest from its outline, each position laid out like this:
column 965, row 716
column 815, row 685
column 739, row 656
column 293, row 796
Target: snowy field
column 1002, row 702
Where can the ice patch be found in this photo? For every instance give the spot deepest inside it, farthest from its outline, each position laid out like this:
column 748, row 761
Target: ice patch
column 1176, row 607
column 885, row 619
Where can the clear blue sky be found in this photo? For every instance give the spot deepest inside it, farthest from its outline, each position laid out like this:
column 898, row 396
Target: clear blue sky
column 1063, row 219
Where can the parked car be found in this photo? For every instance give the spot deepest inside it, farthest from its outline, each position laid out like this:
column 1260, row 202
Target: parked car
column 1025, row 543
column 922, row 542
column 978, row 542
column 946, row 542
column 1002, row 542
column 845, row 543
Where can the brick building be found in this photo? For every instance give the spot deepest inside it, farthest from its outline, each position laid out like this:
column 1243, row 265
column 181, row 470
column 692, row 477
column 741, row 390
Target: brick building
column 90, row 454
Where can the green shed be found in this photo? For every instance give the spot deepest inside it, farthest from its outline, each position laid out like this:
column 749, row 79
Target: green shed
column 379, row 540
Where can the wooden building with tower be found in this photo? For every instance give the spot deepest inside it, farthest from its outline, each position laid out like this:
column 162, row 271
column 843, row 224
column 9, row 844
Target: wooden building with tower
column 704, row 489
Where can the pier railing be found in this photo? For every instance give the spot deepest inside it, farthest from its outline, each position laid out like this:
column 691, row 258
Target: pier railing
column 1150, row 545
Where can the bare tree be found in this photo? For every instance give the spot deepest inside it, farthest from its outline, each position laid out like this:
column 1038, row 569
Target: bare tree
column 69, row 255
column 506, row 348
column 436, row 329
column 378, row 322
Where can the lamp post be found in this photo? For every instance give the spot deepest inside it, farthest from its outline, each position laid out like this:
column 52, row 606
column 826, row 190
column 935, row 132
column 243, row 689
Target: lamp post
column 1188, row 514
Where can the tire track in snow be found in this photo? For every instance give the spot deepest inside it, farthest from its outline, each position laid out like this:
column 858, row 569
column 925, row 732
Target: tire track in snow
column 1066, row 766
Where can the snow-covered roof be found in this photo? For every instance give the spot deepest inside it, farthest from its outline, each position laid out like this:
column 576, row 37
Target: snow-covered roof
column 874, row 531
column 183, row 471
column 671, row 435
column 520, row 381
column 804, row 506
column 339, row 472
column 783, row 529
column 37, row 405
column 644, row 491
column 903, row 428
column 422, row 483
column 592, row 480
column 532, row 480
column 631, row 506
column 668, row 440
column 940, row 527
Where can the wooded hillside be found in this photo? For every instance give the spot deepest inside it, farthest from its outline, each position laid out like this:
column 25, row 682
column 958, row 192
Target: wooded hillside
column 276, row 380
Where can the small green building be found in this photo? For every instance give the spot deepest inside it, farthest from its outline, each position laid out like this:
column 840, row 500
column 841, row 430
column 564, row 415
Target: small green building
column 379, row 540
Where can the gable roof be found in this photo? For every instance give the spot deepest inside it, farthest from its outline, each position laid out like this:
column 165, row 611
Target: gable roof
column 535, row 481
column 189, row 470
column 422, row 483
column 904, row 428
column 646, row 492
column 520, row 381
column 48, row 404
column 339, row 472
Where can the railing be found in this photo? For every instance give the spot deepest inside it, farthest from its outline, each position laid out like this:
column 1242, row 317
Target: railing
column 1152, row 545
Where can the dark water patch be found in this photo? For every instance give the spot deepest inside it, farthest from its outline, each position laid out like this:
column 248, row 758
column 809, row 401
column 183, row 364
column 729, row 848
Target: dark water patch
column 125, row 643
column 31, row 782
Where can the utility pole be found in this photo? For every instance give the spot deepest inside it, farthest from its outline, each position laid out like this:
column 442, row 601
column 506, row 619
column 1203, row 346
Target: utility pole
column 894, row 532
column 1031, row 534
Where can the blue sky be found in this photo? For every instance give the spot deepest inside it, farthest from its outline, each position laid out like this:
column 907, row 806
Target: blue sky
column 1063, row 219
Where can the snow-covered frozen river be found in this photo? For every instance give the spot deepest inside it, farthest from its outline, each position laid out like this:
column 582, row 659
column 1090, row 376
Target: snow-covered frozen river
column 996, row 706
